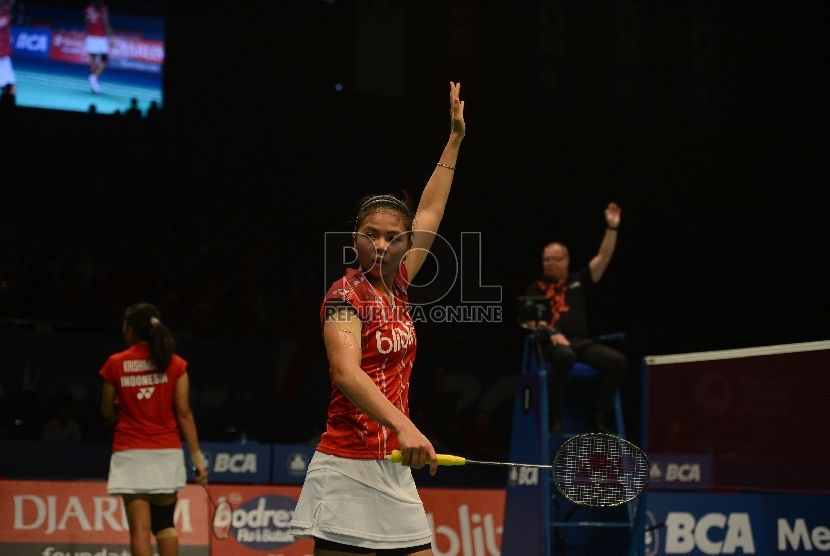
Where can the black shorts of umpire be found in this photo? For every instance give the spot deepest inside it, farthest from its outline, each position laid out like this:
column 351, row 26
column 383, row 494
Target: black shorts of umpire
column 161, row 520
column 323, row 544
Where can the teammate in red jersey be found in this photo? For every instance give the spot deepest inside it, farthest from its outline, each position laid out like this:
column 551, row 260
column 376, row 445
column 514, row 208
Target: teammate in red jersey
column 146, row 392
column 353, row 500
column 97, row 41
column 7, row 80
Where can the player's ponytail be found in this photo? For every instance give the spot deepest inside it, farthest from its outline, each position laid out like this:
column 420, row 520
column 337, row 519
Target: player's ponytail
column 145, row 320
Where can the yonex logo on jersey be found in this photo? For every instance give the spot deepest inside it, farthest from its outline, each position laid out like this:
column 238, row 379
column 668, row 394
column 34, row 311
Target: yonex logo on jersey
column 145, row 393
column 398, row 341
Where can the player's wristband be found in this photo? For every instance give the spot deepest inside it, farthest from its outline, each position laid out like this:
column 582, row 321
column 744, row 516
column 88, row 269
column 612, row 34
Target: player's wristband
column 613, row 228
column 197, row 458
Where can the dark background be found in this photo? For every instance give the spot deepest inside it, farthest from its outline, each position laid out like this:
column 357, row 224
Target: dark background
column 706, row 121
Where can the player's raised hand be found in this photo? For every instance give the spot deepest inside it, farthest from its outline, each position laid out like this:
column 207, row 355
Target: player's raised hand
column 612, row 215
column 457, row 111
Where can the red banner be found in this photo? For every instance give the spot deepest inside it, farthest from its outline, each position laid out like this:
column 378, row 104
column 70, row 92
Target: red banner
column 464, row 522
column 62, row 518
column 68, row 46
column 56, row 516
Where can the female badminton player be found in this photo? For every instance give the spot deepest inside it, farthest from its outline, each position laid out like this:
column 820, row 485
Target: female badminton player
column 353, row 500
column 146, row 392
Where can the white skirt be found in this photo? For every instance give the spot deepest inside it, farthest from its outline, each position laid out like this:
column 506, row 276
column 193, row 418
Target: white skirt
column 97, row 45
column 6, row 71
column 146, row 472
column 366, row 503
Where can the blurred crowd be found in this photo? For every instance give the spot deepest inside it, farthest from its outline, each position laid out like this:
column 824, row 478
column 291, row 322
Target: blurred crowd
column 225, row 237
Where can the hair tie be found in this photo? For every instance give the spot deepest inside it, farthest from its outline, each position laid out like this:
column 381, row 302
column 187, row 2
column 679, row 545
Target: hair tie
column 154, row 321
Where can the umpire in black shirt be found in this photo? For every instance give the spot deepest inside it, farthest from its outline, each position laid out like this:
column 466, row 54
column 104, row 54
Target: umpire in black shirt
column 569, row 341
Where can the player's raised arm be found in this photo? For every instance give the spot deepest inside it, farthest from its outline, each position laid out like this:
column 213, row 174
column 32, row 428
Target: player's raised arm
column 434, row 198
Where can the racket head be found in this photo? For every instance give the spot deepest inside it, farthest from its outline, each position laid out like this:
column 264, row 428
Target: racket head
column 600, row 470
column 222, row 519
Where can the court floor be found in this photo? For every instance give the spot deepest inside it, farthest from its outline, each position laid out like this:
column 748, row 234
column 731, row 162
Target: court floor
column 44, row 89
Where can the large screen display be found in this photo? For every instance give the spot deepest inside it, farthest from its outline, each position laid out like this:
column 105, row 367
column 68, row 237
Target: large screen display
column 84, row 55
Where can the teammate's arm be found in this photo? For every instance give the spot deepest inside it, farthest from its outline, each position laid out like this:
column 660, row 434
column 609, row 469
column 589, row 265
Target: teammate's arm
column 187, row 424
column 105, row 18
column 341, row 334
column 108, row 408
column 434, row 198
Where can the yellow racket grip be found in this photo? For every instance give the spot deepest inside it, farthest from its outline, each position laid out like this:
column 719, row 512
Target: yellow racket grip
column 443, row 459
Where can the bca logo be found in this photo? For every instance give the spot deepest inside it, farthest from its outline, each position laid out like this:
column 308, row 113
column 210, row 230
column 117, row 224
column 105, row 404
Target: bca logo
column 683, row 472
column 676, row 472
column 234, row 463
column 684, row 534
column 297, row 464
column 656, row 472
column 33, row 42
column 524, row 476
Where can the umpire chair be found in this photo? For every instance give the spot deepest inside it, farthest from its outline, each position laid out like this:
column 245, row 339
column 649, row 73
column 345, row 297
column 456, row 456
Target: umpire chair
column 537, row 519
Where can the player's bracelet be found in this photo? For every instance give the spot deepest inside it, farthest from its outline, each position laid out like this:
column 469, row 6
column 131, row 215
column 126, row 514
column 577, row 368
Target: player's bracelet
column 446, row 166
column 613, row 228
column 198, row 459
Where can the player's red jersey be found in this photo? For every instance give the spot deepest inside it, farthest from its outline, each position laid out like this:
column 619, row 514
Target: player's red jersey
column 388, row 352
column 5, row 28
column 146, row 414
column 95, row 20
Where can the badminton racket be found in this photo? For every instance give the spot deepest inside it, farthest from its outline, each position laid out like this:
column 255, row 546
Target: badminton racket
column 222, row 516
column 592, row 469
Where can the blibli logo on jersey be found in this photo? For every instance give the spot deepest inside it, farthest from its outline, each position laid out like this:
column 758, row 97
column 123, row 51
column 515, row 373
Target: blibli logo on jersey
column 234, row 463
column 400, row 339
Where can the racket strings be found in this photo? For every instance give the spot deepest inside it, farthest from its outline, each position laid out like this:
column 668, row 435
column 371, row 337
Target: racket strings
column 600, row 470
column 222, row 518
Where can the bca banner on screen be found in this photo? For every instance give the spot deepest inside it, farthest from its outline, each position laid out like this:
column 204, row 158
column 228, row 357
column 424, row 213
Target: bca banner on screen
column 464, row 522
column 54, row 518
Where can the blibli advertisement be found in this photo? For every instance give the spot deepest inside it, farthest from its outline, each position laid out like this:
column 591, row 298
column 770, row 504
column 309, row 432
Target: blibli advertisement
column 762, row 524
column 51, row 518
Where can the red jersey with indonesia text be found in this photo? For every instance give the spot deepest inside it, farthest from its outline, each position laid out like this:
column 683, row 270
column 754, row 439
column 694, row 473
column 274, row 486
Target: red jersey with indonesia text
column 388, row 353
column 146, row 412
column 95, row 20
column 5, row 28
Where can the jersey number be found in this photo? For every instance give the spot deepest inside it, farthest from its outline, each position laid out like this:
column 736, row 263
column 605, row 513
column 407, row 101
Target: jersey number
column 145, row 393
